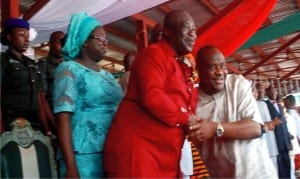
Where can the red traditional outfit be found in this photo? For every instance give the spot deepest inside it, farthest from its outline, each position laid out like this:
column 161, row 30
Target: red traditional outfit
column 147, row 134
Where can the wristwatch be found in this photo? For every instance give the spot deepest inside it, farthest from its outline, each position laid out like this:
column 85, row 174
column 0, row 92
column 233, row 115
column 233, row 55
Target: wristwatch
column 220, row 130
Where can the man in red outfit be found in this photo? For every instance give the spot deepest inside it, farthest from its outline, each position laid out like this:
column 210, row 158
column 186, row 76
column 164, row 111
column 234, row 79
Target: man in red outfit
column 147, row 134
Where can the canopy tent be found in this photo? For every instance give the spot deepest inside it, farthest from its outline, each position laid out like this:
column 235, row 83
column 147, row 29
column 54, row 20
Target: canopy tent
column 227, row 24
column 55, row 14
column 235, row 24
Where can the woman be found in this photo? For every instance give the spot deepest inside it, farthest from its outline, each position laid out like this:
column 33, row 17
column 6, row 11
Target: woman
column 85, row 99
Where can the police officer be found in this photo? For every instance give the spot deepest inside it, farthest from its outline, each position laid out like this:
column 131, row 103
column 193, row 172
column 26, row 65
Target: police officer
column 48, row 64
column 20, row 77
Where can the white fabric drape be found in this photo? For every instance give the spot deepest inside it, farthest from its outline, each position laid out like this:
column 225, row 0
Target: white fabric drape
column 55, row 14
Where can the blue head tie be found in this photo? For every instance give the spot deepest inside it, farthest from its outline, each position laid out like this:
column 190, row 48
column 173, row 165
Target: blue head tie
column 80, row 27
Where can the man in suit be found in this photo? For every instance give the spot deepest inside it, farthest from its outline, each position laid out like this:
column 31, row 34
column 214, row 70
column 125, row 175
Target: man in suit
column 281, row 133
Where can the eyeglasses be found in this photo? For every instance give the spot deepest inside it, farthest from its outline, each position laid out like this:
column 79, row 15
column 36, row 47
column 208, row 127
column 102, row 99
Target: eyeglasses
column 101, row 38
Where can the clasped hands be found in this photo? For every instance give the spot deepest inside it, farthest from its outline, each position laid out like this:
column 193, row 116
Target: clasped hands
column 270, row 126
column 199, row 130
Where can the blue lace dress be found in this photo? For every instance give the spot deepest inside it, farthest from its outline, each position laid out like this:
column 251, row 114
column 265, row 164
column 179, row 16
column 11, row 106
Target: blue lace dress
column 92, row 98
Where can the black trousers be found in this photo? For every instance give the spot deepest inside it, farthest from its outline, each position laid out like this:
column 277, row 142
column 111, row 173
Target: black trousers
column 284, row 165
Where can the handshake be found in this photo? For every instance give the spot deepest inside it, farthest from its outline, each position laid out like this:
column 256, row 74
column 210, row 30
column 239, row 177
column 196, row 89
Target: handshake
column 199, row 130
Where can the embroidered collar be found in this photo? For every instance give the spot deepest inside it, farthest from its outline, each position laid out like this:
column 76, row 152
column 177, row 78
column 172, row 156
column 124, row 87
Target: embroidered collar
column 189, row 61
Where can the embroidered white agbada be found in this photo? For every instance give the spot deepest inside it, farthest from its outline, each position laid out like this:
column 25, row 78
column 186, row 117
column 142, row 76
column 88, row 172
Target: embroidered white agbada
column 234, row 158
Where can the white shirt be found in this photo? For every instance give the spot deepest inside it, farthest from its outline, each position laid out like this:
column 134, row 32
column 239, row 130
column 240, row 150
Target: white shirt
column 249, row 158
column 291, row 125
column 269, row 136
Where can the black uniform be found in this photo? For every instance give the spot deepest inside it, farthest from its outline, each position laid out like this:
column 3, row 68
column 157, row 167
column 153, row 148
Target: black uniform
column 20, row 85
column 47, row 66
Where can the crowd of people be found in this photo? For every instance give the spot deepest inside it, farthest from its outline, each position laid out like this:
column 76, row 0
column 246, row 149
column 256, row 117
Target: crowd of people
column 167, row 108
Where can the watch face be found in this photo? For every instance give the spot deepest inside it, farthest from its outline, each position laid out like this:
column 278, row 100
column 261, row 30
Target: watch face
column 220, row 130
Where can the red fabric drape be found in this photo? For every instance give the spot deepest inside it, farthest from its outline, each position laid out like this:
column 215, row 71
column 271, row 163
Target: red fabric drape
column 234, row 25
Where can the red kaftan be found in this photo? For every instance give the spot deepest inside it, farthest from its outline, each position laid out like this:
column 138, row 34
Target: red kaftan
column 147, row 134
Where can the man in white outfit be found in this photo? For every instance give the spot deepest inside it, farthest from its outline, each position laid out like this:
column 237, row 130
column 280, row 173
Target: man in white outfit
column 269, row 125
column 229, row 129
column 292, row 118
